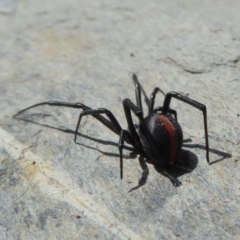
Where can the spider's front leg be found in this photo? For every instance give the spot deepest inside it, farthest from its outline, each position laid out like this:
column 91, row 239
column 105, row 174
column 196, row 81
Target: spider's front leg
column 138, row 92
column 152, row 99
column 128, row 107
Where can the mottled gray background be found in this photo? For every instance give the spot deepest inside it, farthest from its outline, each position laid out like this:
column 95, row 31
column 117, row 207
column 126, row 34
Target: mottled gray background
column 86, row 51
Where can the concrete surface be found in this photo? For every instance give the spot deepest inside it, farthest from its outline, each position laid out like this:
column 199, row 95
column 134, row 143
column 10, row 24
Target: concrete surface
column 86, row 51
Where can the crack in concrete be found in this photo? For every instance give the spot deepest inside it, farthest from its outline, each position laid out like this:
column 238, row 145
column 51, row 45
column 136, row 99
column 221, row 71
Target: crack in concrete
column 201, row 71
column 192, row 71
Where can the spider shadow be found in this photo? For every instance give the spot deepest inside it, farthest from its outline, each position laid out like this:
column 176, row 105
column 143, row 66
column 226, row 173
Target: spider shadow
column 183, row 166
column 104, row 142
column 223, row 155
column 186, row 162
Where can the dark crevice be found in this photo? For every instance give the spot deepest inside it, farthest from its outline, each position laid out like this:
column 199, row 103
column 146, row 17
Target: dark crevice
column 236, row 60
column 229, row 63
column 192, row 71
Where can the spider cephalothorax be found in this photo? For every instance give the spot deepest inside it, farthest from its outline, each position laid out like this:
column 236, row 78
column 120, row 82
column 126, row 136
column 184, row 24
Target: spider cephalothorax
column 158, row 136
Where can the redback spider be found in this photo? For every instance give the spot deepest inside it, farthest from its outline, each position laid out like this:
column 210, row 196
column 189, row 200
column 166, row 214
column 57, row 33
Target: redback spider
column 158, row 137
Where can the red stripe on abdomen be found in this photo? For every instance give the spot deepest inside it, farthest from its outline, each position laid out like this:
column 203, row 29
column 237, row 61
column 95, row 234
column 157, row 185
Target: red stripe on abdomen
column 173, row 137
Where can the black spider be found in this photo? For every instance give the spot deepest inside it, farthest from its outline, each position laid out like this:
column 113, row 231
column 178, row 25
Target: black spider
column 158, row 136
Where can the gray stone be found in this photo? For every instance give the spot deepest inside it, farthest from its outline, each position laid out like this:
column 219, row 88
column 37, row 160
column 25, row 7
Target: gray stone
column 7, row 6
column 86, row 52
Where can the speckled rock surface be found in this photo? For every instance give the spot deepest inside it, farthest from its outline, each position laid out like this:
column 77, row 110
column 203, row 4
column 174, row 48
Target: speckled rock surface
column 86, row 51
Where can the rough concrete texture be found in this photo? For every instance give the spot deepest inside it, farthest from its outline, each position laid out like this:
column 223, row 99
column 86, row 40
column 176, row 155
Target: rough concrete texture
column 86, row 51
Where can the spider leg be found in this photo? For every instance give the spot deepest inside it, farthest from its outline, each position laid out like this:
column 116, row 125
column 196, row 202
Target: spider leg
column 120, row 147
column 136, row 82
column 138, row 92
column 102, row 119
column 131, row 126
column 54, row 103
column 193, row 103
column 145, row 172
column 115, row 126
column 174, row 180
column 174, row 112
column 152, row 99
column 124, row 135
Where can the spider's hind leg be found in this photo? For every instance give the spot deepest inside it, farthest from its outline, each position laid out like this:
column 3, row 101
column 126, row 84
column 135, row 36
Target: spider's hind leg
column 54, row 103
column 114, row 126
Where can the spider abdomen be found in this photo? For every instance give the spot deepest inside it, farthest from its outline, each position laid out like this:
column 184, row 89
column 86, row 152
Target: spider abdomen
column 167, row 133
